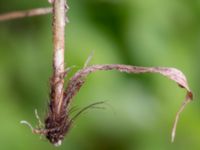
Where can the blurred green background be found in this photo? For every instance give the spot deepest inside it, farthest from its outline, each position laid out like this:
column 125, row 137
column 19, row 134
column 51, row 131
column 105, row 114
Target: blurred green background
column 142, row 107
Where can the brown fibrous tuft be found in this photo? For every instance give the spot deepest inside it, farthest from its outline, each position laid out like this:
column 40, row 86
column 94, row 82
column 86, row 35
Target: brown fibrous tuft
column 56, row 125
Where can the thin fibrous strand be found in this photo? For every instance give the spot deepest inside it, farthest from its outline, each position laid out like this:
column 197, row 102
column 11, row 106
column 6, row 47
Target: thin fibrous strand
column 93, row 105
column 76, row 108
column 88, row 60
column 73, row 109
column 40, row 124
column 35, row 131
column 185, row 102
column 25, row 13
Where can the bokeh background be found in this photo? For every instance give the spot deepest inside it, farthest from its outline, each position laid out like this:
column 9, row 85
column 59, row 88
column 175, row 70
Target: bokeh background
column 140, row 109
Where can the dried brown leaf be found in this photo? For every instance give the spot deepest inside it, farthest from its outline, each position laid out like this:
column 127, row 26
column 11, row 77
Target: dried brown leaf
column 174, row 74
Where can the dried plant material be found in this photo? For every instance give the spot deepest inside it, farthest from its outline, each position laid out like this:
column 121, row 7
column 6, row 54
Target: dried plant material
column 25, row 13
column 58, row 120
column 78, row 79
column 185, row 102
column 172, row 73
column 58, row 124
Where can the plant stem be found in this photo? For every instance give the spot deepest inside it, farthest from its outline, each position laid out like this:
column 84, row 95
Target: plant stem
column 58, row 53
column 25, row 13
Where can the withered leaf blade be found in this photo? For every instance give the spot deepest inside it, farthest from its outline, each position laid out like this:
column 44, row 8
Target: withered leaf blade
column 174, row 74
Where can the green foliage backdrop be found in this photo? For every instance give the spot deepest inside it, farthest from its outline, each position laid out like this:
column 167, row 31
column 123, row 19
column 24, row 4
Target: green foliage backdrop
column 135, row 32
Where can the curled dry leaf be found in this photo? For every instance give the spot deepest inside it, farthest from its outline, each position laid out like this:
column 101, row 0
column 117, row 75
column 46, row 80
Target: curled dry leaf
column 174, row 74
